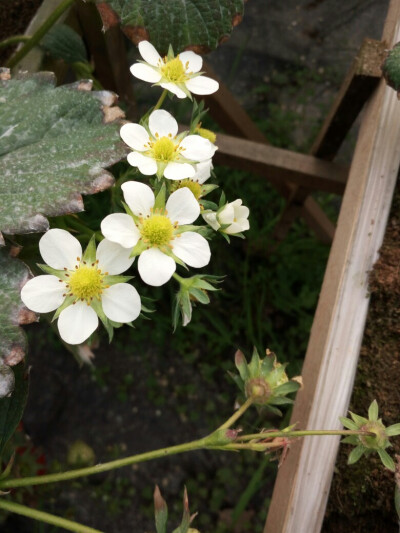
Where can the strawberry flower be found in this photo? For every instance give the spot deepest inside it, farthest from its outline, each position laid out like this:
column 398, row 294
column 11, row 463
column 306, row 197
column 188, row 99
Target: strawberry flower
column 180, row 75
column 160, row 150
column 82, row 287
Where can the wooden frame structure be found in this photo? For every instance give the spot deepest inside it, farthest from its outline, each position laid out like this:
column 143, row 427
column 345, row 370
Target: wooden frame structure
column 303, row 482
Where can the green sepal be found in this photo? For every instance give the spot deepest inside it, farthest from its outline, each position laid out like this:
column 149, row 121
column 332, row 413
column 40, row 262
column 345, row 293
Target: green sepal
column 273, row 409
column 139, row 247
column 287, row 388
column 98, row 308
column 267, row 365
column 144, row 307
column 169, row 252
column 130, row 212
column 161, row 166
column 386, row 460
column 62, row 274
column 347, row 423
column 207, row 205
column 225, row 236
column 356, row 454
column 160, row 198
column 200, row 296
column 280, row 400
column 113, row 280
column 351, row 439
column 206, row 189
column 188, row 227
column 359, row 420
column 89, row 254
column 393, row 430
column 222, row 200
column 237, row 380
column 373, row 411
column 160, row 511
column 69, row 300
column 254, row 365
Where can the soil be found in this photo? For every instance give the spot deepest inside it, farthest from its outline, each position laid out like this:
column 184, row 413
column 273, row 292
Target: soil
column 362, row 496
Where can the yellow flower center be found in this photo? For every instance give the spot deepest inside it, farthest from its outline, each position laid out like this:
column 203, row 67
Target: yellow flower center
column 193, row 186
column 163, row 149
column 157, row 230
column 86, row 282
column 206, row 134
column 174, row 71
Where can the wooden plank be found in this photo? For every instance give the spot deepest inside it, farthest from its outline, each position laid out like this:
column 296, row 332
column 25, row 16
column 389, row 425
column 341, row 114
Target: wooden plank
column 360, row 82
column 280, row 166
column 303, row 482
column 357, row 87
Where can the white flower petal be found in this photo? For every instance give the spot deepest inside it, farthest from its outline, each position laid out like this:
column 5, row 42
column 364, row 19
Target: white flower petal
column 121, row 302
column 149, row 53
column 192, row 248
column 155, row 268
column 211, row 219
column 203, row 171
column 237, row 227
column 120, row 228
column 242, row 212
column 197, row 148
column 145, row 73
column 202, row 85
column 139, row 197
column 135, row 136
column 43, row 294
column 113, row 258
column 182, row 206
column 162, row 123
column 146, row 165
column 77, row 322
column 191, row 62
column 227, row 214
column 171, row 87
column 60, row 249
column 179, row 171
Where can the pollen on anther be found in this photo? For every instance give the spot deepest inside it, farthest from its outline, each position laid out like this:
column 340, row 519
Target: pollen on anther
column 93, row 264
column 67, row 275
column 78, row 258
column 65, row 268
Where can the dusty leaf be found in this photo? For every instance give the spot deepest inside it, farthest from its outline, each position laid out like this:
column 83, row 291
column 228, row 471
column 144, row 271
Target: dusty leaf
column 198, row 25
column 13, row 313
column 55, row 143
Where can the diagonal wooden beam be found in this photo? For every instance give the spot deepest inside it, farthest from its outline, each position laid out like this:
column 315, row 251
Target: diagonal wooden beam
column 281, row 166
column 357, row 87
column 228, row 112
column 303, row 483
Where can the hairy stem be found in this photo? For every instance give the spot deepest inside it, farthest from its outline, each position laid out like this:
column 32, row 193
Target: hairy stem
column 160, row 100
column 237, row 414
column 41, row 516
column 303, row 433
column 40, row 33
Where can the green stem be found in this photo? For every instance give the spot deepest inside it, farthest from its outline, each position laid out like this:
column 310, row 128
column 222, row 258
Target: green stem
column 303, row 433
column 105, row 467
column 45, row 517
column 237, row 414
column 15, row 39
column 40, row 33
column 160, row 100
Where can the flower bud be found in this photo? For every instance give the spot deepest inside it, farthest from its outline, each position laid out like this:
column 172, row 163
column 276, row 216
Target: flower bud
column 231, row 218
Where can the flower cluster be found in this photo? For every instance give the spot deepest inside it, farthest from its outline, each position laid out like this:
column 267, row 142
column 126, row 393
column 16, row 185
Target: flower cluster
column 158, row 225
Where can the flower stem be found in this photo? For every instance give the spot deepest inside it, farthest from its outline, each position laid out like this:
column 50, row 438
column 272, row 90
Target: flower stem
column 160, row 100
column 40, row 33
column 69, row 525
column 15, row 39
column 303, row 433
column 237, row 414
column 118, row 463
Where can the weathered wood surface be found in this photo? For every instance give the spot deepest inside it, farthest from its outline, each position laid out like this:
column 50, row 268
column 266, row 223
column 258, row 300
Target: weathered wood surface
column 279, row 166
column 303, row 482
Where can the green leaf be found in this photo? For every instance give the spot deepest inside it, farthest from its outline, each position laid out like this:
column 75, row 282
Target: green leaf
column 355, row 454
column 14, row 274
column 386, row 460
column 373, row 411
column 393, row 430
column 62, row 42
column 287, row 388
column 54, row 145
column 198, row 24
column 12, row 407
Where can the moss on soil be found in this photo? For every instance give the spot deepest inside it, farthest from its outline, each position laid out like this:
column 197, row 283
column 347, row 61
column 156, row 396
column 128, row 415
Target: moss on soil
column 361, row 497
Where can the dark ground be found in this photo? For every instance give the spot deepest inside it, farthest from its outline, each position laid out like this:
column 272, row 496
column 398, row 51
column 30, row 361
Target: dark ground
column 284, row 63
